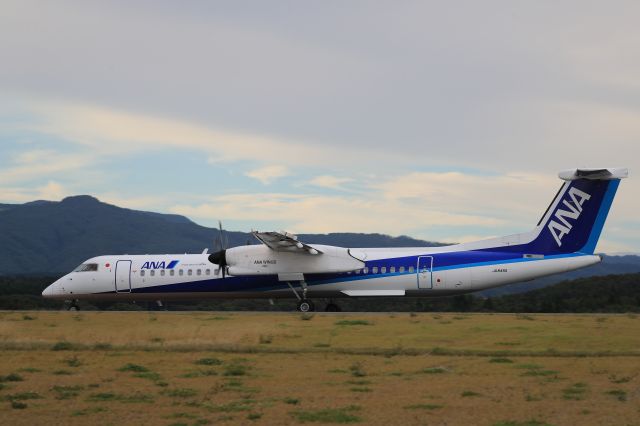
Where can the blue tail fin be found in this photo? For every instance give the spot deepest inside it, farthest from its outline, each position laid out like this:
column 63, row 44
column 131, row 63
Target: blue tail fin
column 574, row 220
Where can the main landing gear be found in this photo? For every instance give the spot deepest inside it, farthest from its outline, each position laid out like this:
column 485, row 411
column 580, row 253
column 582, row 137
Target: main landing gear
column 332, row 307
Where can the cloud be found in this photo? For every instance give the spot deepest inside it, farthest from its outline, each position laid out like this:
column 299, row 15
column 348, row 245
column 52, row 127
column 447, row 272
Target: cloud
column 499, row 196
column 268, row 174
column 45, row 163
column 331, row 182
column 321, row 213
column 111, row 132
column 51, row 191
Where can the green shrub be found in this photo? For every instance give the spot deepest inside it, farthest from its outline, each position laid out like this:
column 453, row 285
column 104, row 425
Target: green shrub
column 208, row 361
column 235, row 370
column 433, row 370
column 180, row 393
column 110, row 396
column 619, row 394
column 74, row 361
column 134, row 368
column 62, row 346
column 501, row 360
column 575, row 392
column 353, row 322
column 23, row 396
column 12, row 377
column 423, row 407
column 67, row 392
column 102, row 346
column 357, row 370
column 328, row 415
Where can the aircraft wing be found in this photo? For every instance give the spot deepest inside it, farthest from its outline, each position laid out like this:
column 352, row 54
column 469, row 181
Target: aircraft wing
column 284, row 241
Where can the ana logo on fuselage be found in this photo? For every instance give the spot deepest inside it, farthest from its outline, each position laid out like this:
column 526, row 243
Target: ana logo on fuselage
column 160, row 265
column 562, row 227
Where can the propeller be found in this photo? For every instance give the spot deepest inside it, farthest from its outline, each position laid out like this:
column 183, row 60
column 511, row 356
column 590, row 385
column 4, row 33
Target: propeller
column 220, row 257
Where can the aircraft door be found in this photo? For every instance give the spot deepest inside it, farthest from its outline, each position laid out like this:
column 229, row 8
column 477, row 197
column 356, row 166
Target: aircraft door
column 425, row 267
column 123, row 276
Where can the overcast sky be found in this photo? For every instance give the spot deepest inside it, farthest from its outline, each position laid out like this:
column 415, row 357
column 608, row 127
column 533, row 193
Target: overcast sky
column 446, row 121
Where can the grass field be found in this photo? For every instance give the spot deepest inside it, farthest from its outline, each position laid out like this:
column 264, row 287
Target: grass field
column 238, row 368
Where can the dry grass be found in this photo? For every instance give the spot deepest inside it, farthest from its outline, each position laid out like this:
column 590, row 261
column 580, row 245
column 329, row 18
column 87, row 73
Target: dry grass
column 195, row 368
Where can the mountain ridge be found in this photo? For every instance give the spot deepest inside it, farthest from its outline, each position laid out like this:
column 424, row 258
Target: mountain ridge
column 53, row 237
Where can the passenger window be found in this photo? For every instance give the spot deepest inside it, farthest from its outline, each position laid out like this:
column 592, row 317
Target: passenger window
column 181, row 272
column 365, row 271
column 375, row 270
column 208, row 271
column 392, row 269
column 402, row 269
column 171, row 272
column 357, row 271
column 199, row 272
column 189, row 272
column 152, row 272
column 411, row 269
column 142, row 273
column 383, row 270
column 162, row 272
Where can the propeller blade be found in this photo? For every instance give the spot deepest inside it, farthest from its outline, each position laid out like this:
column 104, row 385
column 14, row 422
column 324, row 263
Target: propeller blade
column 220, row 257
column 223, row 239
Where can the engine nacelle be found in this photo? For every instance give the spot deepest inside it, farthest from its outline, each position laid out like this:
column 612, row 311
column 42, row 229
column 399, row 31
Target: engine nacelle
column 261, row 260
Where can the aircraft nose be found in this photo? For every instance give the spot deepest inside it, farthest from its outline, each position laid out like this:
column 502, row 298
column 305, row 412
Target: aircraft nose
column 52, row 290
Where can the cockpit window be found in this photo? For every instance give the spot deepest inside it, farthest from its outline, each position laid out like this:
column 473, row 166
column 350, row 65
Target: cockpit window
column 87, row 267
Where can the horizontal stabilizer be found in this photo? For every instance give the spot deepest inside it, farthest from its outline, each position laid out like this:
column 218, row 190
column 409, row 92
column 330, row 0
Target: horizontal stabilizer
column 594, row 174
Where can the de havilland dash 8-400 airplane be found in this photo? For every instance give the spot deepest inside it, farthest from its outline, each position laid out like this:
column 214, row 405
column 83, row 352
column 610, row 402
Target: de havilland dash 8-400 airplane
column 564, row 239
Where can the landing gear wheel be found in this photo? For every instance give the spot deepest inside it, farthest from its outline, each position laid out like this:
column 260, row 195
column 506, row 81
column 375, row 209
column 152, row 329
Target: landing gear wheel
column 332, row 307
column 73, row 306
column 305, row 305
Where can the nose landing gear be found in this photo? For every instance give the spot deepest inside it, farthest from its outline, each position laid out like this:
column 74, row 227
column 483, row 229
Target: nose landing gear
column 305, row 305
column 73, row 306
